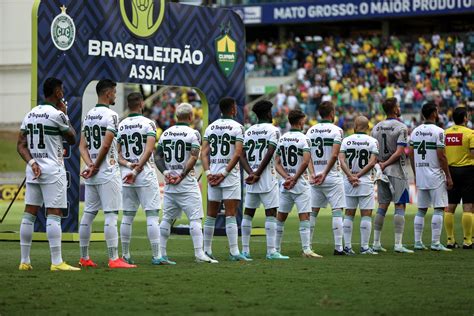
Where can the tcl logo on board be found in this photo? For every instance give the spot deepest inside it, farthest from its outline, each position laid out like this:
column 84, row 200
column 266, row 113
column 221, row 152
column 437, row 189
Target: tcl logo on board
column 454, row 139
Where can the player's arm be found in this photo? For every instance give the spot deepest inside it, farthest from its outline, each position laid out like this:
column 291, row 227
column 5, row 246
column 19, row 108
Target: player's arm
column 304, row 165
column 411, row 156
column 393, row 158
column 136, row 169
column 160, row 159
column 443, row 163
column 24, row 152
column 91, row 169
column 122, row 161
column 238, row 149
column 345, row 168
column 67, row 131
column 336, row 148
column 369, row 166
column 205, row 157
column 244, row 163
column 279, row 168
column 266, row 159
column 104, row 148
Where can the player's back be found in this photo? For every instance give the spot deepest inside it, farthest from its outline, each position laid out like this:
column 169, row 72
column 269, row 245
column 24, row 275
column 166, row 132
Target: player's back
column 459, row 142
column 222, row 135
column 132, row 136
column 43, row 126
column 323, row 136
column 425, row 140
column 256, row 142
column 177, row 143
column 97, row 122
column 390, row 134
column 291, row 147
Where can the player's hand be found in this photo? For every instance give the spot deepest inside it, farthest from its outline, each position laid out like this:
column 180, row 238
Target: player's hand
column 354, row 180
column 210, row 179
column 319, row 178
column 36, row 170
column 134, row 165
column 252, row 178
column 177, row 179
column 449, row 183
column 62, row 107
column 129, row 178
column 218, row 178
column 382, row 166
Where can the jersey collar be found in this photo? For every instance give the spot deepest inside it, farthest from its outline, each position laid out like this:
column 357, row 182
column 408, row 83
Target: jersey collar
column 325, row 121
column 360, row 133
column 134, row 114
column 263, row 121
column 182, row 124
column 226, row 117
column 49, row 103
column 429, row 123
column 295, row 130
column 101, row 105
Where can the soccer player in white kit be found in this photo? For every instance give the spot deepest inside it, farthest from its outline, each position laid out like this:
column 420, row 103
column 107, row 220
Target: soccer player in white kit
column 325, row 174
column 177, row 153
column 102, row 176
column 291, row 162
column 430, row 167
column 260, row 142
column 136, row 137
column 221, row 151
column 40, row 144
column 358, row 157
column 392, row 136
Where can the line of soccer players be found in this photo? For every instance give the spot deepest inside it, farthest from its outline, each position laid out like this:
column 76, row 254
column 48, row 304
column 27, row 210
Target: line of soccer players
column 120, row 176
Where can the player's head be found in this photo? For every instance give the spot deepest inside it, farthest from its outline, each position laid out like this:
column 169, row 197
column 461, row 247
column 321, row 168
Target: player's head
column 391, row 107
column 296, row 119
column 327, row 111
column 135, row 102
column 460, row 116
column 263, row 110
column 361, row 124
column 106, row 90
column 228, row 106
column 184, row 113
column 430, row 111
column 53, row 89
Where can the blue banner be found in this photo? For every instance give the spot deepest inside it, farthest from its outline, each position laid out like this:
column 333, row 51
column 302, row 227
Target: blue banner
column 340, row 10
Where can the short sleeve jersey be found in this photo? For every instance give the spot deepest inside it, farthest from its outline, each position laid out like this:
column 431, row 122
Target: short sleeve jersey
column 98, row 121
column 291, row 147
column 43, row 127
column 323, row 136
column 358, row 149
column 256, row 142
column 425, row 140
column 177, row 143
column 459, row 143
column 132, row 136
column 222, row 135
column 390, row 134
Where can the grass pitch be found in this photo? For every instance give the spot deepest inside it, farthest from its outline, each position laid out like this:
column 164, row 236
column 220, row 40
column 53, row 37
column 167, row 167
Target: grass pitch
column 387, row 284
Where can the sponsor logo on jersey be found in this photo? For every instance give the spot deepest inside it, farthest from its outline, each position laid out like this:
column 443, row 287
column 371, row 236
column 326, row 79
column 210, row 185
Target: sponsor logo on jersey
column 454, row 139
column 226, row 50
column 63, row 30
column 142, row 17
column 320, row 131
column 94, row 117
column 42, row 115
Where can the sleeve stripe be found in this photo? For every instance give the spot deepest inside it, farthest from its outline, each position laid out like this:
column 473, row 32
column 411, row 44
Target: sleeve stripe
column 151, row 134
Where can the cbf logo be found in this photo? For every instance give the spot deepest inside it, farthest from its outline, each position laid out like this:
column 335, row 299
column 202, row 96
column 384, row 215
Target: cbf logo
column 226, row 51
column 63, row 30
column 142, row 17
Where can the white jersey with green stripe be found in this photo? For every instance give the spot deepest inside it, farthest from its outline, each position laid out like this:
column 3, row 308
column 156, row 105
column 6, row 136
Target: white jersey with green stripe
column 43, row 127
column 358, row 148
column 176, row 143
column 323, row 136
column 98, row 121
column 425, row 139
column 222, row 135
column 291, row 147
column 132, row 136
column 256, row 141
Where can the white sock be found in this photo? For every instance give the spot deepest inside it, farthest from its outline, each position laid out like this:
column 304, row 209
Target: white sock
column 399, row 223
column 246, row 228
column 436, row 226
column 26, row 236
column 305, row 234
column 270, row 230
column 419, row 223
column 195, row 230
column 337, row 229
column 347, row 229
column 54, row 232
column 209, row 224
column 232, row 235
column 312, row 224
column 126, row 232
column 111, row 234
column 378, row 225
column 153, row 232
column 85, row 229
column 165, row 231
column 279, row 234
column 365, row 230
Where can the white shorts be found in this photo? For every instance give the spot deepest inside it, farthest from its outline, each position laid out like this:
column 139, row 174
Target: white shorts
column 436, row 197
column 334, row 194
column 365, row 202
column 148, row 197
column 302, row 201
column 268, row 199
column 53, row 195
column 106, row 196
column 218, row 194
column 189, row 202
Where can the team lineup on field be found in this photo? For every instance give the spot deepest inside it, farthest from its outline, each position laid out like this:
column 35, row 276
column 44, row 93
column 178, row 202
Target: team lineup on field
column 307, row 171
